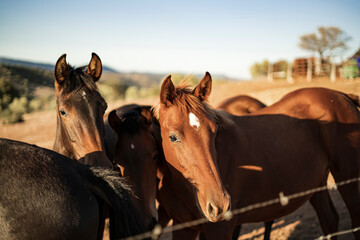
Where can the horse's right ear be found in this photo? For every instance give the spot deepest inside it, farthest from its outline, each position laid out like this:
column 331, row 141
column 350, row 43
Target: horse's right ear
column 61, row 71
column 167, row 92
column 114, row 120
column 203, row 90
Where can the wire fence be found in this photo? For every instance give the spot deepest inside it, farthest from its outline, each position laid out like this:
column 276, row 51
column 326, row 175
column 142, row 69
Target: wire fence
column 282, row 199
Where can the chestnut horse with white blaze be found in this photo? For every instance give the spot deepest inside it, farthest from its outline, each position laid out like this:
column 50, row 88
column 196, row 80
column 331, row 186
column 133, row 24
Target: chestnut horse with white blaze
column 196, row 158
column 288, row 147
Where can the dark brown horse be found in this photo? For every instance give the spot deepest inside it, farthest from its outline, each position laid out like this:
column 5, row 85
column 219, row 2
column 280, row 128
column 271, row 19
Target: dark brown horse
column 45, row 195
column 241, row 105
column 80, row 111
column 135, row 153
column 288, row 147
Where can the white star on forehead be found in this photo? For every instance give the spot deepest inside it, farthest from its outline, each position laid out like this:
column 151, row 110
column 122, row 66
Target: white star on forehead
column 132, row 146
column 194, row 121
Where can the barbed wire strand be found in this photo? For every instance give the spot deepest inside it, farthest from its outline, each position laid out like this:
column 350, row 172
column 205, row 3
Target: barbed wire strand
column 329, row 236
column 283, row 200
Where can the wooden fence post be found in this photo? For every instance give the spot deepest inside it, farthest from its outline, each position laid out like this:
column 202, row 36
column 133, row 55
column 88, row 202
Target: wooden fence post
column 333, row 73
column 309, row 70
column 289, row 77
column 270, row 73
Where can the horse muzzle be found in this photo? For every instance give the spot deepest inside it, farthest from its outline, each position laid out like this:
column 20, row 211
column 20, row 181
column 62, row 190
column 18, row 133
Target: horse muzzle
column 216, row 209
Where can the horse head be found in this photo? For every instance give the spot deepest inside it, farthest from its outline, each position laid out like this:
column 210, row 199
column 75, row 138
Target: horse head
column 188, row 130
column 80, row 111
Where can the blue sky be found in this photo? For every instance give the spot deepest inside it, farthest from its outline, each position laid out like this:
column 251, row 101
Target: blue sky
column 222, row 37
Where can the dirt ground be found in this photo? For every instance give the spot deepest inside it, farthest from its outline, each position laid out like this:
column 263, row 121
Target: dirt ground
column 39, row 128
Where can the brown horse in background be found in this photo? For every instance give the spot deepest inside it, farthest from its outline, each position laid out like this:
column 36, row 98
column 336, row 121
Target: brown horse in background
column 135, row 153
column 270, row 152
column 241, row 105
column 80, row 111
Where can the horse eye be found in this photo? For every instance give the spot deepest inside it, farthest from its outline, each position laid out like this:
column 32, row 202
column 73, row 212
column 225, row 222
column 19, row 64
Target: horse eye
column 63, row 113
column 174, row 138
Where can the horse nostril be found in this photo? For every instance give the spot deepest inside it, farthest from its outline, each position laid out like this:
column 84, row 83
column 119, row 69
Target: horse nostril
column 212, row 210
column 229, row 207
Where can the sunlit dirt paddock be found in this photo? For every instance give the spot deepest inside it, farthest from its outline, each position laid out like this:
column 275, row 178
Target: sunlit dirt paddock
column 39, row 128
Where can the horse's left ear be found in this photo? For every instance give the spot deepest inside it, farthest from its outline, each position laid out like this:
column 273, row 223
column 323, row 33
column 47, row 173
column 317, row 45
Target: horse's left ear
column 95, row 67
column 203, row 89
column 114, row 120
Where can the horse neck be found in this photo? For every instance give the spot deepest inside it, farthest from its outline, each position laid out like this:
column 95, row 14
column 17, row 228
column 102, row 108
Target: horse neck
column 234, row 136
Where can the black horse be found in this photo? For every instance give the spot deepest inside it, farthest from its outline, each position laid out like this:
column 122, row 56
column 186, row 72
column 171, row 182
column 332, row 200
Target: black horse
column 45, row 195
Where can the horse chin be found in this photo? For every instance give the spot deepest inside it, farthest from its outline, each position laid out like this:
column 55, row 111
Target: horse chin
column 152, row 218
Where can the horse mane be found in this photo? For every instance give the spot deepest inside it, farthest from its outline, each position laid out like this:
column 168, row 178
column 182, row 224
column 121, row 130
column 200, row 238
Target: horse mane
column 76, row 79
column 188, row 102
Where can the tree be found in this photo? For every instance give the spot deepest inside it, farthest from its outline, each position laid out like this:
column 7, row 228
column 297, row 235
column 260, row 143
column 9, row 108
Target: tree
column 326, row 43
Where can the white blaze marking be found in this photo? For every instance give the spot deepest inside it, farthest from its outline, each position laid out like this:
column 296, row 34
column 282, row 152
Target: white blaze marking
column 132, row 146
column 194, row 121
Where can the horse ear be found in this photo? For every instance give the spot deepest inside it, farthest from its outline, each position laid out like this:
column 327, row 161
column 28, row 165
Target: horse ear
column 167, row 92
column 95, row 67
column 146, row 113
column 61, row 71
column 114, row 120
column 203, row 89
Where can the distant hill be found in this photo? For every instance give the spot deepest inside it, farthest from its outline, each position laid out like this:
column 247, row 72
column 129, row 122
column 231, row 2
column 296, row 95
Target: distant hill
column 43, row 66
column 41, row 74
column 26, row 78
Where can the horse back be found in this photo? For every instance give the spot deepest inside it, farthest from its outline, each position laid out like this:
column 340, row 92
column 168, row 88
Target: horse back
column 320, row 104
column 336, row 113
column 241, row 105
column 37, row 196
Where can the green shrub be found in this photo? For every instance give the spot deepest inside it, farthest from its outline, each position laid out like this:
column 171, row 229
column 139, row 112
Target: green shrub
column 9, row 117
column 15, row 111
column 259, row 69
column 132, row 93
column 42, row 103
column 112, row 91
